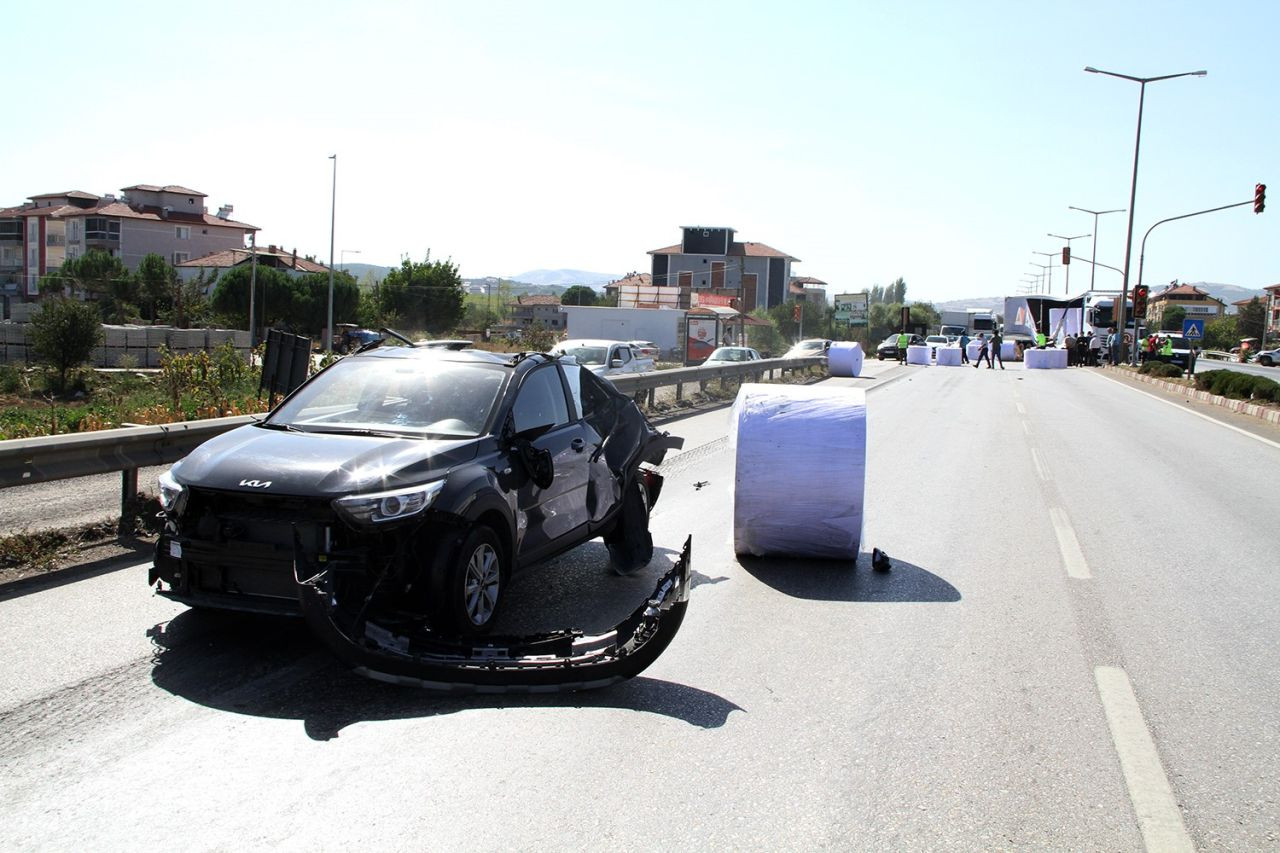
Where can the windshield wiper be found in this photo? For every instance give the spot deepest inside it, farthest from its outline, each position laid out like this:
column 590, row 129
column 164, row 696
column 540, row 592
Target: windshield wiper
column 380, row 433
column 280, row 426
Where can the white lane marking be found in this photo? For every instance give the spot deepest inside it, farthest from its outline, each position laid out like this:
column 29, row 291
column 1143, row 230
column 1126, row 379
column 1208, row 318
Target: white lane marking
column 1243, row 432
column 1039, row 463
column 1158, row 815
column 1022, row 410
column 1026, row 427
column 1069, row 545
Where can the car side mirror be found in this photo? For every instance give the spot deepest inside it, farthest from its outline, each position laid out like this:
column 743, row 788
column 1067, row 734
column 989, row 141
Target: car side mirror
column 615, row 362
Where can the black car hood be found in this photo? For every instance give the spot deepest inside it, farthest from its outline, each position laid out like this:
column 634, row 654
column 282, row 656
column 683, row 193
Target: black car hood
column 253, row 458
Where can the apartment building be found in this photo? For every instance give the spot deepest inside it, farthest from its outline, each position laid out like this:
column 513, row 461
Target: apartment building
column 708, row 260
column 37, row 237
column 1198, row 304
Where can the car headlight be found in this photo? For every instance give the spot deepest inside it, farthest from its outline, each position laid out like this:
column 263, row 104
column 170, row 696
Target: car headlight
column 395, row 505
column 173, row 495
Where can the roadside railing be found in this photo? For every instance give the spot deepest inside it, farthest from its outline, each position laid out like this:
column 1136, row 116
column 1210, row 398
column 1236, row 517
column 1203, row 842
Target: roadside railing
column 24, row 461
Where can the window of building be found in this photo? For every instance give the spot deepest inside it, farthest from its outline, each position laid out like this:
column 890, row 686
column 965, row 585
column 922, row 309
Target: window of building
column 684, row 279
column 183, row 232
column 717, row 273
column 101, row 228
column 181, row 257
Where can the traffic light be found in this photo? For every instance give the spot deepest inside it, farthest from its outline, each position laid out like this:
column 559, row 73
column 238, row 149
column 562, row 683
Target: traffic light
column 1259, row 198
column 1066, row 255
column 1140, row 302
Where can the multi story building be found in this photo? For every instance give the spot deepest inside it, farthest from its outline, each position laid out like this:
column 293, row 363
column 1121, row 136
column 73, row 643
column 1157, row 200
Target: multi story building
column 808, row 289
column 708, row 260
column 36, row 238
column 1272, row 301
column 538, row 308
column 1198, row 304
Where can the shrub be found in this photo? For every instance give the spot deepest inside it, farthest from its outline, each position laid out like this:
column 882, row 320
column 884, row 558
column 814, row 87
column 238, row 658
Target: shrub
column 1239, row 386
column 1161, row 370
column 1266, row 389
column 63, row 335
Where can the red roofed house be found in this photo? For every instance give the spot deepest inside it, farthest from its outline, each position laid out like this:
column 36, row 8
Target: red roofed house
column 1272, row 301
column 708, row 260
column 1198, row 304
column 171, row 221
column 271, row 256
column 808, row 289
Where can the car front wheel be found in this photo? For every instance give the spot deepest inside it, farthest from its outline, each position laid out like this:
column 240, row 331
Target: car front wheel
column 1266, row 361
column 474, row 585
column 630, row 543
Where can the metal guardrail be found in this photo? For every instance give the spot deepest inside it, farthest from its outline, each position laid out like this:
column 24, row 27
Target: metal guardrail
column 58, row 457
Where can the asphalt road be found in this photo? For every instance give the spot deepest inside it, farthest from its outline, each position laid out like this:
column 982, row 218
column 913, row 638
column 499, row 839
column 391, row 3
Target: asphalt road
column 1075, row 650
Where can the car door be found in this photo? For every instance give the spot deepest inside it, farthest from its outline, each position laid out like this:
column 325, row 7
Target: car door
column 597, row 409
column 551, row 516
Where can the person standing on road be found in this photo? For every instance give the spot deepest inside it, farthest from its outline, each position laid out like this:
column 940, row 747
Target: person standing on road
column 982, row 351
column 964, row 347
column 997, row 340
column 1069, row 343
column 903, row 340
column 1095, row 349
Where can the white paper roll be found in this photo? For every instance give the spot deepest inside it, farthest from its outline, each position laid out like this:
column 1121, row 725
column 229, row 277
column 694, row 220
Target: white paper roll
column 1044, row 359
column 948, row 356
column 1008, row 351
column 917, row 355
column 973, row 349
column 845, row 359
column 800, row 453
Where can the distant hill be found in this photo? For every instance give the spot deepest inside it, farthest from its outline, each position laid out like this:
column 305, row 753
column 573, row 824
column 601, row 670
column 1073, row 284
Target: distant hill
column 358, row 270
column 566, row 278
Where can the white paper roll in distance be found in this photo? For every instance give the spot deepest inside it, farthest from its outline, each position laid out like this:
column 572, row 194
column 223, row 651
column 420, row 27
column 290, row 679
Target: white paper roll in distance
column 917, row 355
column 948, row 356
column 800, row 456
column 973, row 349
column 845, row 359
column 1008, row 350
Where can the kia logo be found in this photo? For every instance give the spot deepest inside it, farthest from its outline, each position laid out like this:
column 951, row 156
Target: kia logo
column 256, row 484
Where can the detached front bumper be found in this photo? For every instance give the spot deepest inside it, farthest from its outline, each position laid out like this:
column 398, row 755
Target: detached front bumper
column 563, row 660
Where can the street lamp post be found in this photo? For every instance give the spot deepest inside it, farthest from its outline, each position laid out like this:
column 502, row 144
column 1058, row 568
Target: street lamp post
column 1093, row 269
column 253, row 282
column 1040, row 276
column 333, row 205
column 1068, row 266
column 1049, row 267
column 1133, row 192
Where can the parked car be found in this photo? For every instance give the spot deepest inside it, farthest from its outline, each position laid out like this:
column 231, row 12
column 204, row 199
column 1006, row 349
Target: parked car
column 810, row 346
column 647, row 349
column 1269, row 357
column 724, row 355
column 349, row 338
column 417, row 480
column 888, row 348
column 605, row 358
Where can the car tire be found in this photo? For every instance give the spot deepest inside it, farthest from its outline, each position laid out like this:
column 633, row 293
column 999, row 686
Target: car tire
column 1266, row 361
column 474, row 583
column 630, row 543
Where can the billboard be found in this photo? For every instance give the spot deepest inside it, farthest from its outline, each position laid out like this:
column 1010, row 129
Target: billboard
column 851, row 308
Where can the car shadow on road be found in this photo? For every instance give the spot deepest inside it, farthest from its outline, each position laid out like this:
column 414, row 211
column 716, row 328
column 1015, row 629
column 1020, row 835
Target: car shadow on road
column 274, row 668
column 848, row 580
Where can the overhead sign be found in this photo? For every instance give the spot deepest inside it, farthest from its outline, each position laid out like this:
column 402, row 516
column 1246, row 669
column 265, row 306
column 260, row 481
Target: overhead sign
column 851, row 308
column 1193, row 330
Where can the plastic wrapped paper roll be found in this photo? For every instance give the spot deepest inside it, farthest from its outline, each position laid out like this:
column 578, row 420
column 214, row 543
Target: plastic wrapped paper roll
column 845, row 359
column 1044, row 359
column 918, row 355
column 948, row 356
column 1008, row 351
column 800, row 456
column 973, row 349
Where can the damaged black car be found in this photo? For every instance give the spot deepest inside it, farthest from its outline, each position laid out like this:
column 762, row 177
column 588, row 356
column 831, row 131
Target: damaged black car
column 389, row 499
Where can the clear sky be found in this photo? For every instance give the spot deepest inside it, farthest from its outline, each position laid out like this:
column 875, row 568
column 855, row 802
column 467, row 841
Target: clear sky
column 940, row 142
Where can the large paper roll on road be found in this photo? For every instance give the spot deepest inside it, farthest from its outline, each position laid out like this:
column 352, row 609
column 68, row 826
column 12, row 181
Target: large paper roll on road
column 800, row 456
column 918, row 354
column 1008, row 350
column 948, row 356
column 845, row 359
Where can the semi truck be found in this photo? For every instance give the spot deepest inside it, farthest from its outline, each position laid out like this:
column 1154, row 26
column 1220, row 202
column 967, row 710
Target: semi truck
column 968, row 321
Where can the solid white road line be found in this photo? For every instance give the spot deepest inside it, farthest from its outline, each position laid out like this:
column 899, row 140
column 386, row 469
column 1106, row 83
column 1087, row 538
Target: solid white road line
column 1243, row 432
column 1159, row 818
column 1026, row 427
column 1022, row 410
column 1069, row 545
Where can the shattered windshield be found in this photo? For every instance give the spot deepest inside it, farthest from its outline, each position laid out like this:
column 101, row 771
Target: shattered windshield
column 396, row 395
column 586, row 354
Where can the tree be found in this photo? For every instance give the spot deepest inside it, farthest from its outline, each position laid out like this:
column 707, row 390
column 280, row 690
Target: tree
column 1252, row 320
column 63, row 333
column 579, row 294
column 897, row 291
column 298, row 304
column 156, row 284
column 428, row 295
column 101, row 277
column 1172, row 318
column 766, row 339
column 1222, row 333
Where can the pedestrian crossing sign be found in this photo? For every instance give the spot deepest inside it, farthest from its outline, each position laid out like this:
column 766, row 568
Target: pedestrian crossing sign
column 1193, row 330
